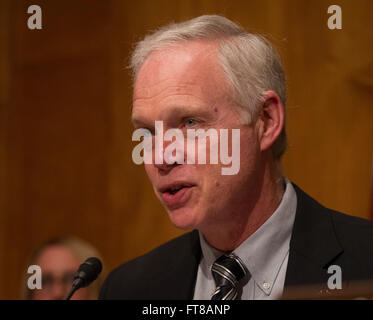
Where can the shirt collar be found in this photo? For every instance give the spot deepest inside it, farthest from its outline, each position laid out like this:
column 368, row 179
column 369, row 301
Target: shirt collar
column 266, row 249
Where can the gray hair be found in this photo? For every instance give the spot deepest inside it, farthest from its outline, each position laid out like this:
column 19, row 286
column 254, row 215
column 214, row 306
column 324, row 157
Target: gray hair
column 249, row 61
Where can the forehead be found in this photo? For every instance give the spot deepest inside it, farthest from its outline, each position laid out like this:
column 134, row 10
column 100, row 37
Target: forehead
column 187, row 66
column 56, row 258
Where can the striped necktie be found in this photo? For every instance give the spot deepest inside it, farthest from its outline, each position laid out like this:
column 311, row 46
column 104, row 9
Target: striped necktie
column 227, row 271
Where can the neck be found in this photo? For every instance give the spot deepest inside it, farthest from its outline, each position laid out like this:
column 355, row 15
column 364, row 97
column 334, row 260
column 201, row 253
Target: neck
column 229, row 233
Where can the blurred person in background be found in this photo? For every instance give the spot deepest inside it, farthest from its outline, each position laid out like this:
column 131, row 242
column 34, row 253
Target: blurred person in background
column 59, row 259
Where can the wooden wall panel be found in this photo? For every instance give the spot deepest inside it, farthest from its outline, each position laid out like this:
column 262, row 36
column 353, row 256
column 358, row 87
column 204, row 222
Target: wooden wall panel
column 58, row 130
column 5, row 73
column 66, row 135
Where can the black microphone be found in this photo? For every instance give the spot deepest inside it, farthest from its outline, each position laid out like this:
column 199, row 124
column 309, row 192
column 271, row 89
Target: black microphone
column 87, row 273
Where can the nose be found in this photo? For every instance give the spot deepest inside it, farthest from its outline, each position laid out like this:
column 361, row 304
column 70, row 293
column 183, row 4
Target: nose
column 165, row 162
column 165, row 168
column 168, row 154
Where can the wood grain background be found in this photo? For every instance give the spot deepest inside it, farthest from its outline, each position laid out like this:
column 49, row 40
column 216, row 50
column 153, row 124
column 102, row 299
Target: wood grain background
column 65, row 134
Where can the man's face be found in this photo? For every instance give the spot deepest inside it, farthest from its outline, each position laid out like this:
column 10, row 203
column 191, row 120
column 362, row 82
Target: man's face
column 185, row 87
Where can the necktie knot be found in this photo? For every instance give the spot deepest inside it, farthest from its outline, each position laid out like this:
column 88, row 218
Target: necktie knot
column 227, row 271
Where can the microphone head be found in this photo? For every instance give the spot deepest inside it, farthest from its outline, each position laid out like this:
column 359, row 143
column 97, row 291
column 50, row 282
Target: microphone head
column 88, row 271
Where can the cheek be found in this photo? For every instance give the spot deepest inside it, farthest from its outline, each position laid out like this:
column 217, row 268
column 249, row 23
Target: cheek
column 250, row 147
column 210, row 183
column 208, row 174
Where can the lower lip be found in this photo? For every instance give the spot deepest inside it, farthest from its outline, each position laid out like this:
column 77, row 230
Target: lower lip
column 178, row 199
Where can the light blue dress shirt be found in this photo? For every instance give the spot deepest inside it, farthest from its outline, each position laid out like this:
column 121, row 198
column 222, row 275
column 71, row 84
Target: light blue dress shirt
column 265, row 254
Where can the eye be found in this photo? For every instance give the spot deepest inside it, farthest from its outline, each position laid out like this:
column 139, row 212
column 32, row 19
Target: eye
column 190, row 122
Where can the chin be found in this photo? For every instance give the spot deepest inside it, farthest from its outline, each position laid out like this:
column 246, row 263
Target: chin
column 184, row 218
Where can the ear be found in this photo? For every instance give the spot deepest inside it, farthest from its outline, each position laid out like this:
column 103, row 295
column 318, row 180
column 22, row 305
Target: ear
column 271, row 119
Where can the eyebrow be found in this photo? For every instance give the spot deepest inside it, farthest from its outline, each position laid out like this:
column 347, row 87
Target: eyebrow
column 183, row 111
column 139, row 121
column 179, row 110
column 172, row 112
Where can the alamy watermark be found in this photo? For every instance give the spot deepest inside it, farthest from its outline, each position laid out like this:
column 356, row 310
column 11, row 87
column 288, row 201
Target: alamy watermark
column 335, row 20
column 182, row 149
column 335, row 280
column 34, row 281
column 34, row 21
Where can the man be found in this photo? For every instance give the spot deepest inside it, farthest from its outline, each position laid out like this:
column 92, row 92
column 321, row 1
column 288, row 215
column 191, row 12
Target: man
column 255, row 234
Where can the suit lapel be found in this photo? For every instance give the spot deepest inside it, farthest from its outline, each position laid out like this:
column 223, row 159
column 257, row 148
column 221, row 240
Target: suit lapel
column 313, row 245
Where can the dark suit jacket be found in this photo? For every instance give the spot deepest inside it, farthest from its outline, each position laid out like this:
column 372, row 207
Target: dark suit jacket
column 321, row 237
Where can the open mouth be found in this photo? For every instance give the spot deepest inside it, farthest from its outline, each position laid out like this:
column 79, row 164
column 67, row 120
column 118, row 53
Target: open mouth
column 175, row 187
column 174, row 190
column 176, row 194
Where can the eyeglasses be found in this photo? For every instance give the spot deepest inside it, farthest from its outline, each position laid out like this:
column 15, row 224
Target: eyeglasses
column 49, row 280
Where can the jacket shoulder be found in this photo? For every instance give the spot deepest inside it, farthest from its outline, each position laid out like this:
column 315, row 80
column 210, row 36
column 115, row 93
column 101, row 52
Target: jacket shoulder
column 358, row 227
column 329, row 232
column 351, row 221
column 323, row 237
column 142, row 275
column 353, row 232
